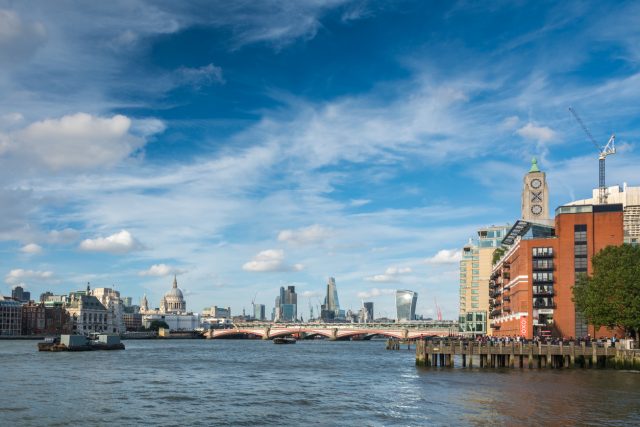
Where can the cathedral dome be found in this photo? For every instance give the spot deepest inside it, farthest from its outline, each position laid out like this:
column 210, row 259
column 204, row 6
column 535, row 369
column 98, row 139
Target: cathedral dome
column 173, row 301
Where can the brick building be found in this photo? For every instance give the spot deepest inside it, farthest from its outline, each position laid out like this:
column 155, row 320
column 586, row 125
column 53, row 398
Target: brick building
column 531, row 285
column 33, row 318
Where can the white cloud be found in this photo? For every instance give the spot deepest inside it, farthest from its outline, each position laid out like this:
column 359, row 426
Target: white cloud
column 391, row 274
column 161, row 270
column 270, row 260
column 31, row 248
column 121, row 242
column 19, row 275
column 375, row 292
column 67, row 235
column 200, row 76
column 311, row 294
column 359, row 202
column 312, row 234
column 536, row 133
column 445, row 256
column 81, row 141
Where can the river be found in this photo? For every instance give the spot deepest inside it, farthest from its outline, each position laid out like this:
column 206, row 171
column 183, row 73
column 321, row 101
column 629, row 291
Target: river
column 311, row 383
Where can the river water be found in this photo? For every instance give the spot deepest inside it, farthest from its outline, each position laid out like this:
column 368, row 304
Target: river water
column 255, row 383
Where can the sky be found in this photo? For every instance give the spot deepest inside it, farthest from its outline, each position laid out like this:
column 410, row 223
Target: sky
column 249, row 145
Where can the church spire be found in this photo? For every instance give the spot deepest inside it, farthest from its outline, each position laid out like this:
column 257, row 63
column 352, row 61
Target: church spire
column 175, row 281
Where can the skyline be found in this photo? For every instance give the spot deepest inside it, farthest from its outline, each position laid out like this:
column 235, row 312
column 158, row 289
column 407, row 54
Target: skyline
column 253, row 146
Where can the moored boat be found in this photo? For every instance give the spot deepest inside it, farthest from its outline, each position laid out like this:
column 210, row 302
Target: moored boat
column 284, row 340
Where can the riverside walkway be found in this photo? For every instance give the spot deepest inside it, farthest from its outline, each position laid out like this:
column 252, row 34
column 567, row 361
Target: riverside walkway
column 539, row 355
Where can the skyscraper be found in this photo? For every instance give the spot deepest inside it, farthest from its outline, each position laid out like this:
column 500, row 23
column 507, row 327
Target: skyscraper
column 331, row 306
column 259, row 312
column 368, row 309
column 286, row 308
column 406, row 305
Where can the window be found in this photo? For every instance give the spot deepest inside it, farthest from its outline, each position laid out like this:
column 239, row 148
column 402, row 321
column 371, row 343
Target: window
column 474, row 305
column 580, row 236
column 474, row 291
column 580, row 250
column 474, row 298
column 581, row 264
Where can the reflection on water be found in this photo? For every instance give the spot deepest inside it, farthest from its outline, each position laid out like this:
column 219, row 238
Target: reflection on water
column 247, row 382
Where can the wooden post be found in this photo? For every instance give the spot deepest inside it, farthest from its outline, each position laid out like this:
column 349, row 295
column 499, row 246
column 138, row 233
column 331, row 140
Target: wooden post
column 594, row 354
column 470, row 350
column 464, row 360
column 572, row 355
column 530, row 356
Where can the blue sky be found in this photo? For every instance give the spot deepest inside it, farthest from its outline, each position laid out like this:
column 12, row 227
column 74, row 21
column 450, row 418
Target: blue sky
column 249, row 145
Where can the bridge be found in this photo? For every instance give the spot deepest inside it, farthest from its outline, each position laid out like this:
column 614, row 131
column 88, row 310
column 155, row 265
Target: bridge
column 338, row 331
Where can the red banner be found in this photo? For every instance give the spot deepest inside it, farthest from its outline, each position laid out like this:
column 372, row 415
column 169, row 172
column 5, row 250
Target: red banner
column 523, row 326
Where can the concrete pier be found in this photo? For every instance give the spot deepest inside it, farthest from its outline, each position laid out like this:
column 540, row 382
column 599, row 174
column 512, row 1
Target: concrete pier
column 499, row 355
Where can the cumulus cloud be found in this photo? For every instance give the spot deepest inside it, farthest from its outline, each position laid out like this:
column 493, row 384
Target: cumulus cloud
column 307, row 235
column 19, row 275
column 270, row 260
column 536, row 133
column 121, row 242
column 445, row 256
column 375, row 292
column 391, row 274
column 81, row 141
column 159, row 270
column 31, row 248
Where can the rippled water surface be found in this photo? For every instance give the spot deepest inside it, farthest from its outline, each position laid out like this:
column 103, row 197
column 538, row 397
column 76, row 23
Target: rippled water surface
column 254, row 383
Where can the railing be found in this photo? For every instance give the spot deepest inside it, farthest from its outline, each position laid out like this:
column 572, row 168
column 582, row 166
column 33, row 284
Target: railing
column 544, row 305
column 548, row 292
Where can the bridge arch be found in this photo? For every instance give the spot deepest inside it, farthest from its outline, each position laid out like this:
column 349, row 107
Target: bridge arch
column 223, row 333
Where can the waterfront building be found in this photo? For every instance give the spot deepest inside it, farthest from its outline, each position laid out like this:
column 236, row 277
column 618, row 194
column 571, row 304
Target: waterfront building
column 33, row 318
column 132, row 321
column 218, row 312
column 475, row 268
column 57, row 320
column 531, row 285
column 286, row 306
column 88, row 315
column 10, row 316
column 259, row 312
column 19, row 294
column 110, row 298
column 629, row 198
column 406, row 305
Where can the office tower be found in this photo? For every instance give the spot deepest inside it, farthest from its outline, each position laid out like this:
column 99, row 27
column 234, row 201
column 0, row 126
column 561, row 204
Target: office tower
column 406, row 305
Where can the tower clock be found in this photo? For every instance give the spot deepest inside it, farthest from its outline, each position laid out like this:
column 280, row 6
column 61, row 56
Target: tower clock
column 535, row 205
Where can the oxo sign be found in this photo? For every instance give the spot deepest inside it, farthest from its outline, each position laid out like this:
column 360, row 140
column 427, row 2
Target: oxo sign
column 523, row 326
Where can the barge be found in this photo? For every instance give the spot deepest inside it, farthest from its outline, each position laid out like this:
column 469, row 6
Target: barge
column 81, row 343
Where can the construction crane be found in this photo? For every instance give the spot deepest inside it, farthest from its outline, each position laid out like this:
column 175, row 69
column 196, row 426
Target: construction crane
column 608, row 149
column 438, row 312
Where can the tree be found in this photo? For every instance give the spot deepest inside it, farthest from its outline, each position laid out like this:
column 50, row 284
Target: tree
column 497, row 254
column 157, row 324
column 611, row 296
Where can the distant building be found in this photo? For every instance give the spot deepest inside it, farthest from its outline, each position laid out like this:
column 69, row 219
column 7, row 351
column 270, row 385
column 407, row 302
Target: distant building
column 330, row 310
column 127, row 301
column 19, row 294
column 259, row 312
column 217, row 312
column 475, row 268
column 87, row 313
column 406, row 305
column 10, row 317
column 366, row 313
column 286, row 306
column 172, row 311
column 33, row 319
column 57, row 320
column 629, row 198
column 44, row 296
column 132, row 321
column 110, row 298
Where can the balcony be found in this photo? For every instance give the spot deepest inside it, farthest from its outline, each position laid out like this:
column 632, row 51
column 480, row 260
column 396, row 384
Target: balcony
column 506, row 275
column 506, row 299
column 506, row 309
column 544, row 305
column 543, row 292
column 543, row 256
column 495, row 325
column 494, row 313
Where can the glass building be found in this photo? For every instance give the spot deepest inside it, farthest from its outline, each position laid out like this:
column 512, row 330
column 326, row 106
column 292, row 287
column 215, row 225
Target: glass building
column 406, row 305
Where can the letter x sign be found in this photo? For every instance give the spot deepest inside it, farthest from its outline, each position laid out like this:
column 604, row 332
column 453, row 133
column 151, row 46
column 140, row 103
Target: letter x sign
column 536, row 196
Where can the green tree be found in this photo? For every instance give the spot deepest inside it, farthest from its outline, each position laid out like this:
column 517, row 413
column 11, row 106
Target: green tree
column 497, row 254
column 157, row 324
column 611, row 296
